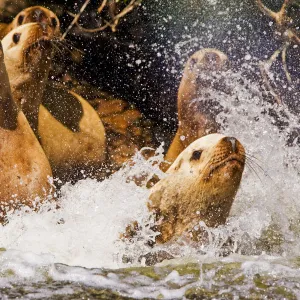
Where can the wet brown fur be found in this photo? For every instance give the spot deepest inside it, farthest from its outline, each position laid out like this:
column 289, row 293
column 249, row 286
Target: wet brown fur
column 197, row 190
column 195, row 121
column 69, row 147
column 24, row 168
column 33, row 14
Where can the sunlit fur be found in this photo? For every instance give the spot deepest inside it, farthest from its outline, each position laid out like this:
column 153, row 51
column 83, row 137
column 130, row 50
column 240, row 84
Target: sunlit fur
column 29, row 61
column 198, row 189
column 33, row 14
column 68, row 150
column 195, row 120
column 24, row 168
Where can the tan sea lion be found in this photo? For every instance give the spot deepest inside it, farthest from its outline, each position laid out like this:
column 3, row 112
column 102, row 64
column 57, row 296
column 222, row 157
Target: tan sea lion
column 200, row 186
column 24, row 168
column 197, row 119
column 71, row 134
column 33, row 14
column 28, row 51
column 69, row 129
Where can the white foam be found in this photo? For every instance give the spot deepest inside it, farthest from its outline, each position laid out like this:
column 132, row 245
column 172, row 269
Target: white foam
column 85, row 230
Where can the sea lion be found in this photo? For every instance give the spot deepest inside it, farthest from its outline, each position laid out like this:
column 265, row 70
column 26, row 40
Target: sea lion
column 69, row 129
column 24, row 168
column 28, row 52
column 197, row 118
column 71, row 134
column 200, row 186
column 33, row 14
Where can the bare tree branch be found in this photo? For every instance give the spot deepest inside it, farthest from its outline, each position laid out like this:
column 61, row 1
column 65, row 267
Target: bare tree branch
column 283, row 57
column 115, row 19
column 76, row 18
column 284, row 23
column 100, row 8
column 264, row 70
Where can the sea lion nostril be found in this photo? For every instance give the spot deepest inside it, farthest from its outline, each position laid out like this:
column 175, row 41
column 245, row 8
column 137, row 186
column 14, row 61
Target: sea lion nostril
column 38, row 15
column 232, row 140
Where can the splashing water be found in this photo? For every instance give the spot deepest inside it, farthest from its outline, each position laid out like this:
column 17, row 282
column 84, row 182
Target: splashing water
column 85, row 230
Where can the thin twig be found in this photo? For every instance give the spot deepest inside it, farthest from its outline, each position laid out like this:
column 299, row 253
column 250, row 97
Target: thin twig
column 91, row 30
column 277, row 16
column 264, row 69
column 266, row 10
column 267, row 82
column 115, row 20
column 100, row 8
column 125, row 11
column 283, row 57
column 281, row 19
column 76, row 18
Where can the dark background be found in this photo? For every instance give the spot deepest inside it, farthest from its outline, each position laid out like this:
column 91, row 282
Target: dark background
column 142, row 62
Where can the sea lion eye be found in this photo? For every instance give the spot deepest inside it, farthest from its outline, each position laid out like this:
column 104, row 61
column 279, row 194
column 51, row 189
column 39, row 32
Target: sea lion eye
column 16, row 37
column 20, row 20
column 53, row 22
column 196, row 155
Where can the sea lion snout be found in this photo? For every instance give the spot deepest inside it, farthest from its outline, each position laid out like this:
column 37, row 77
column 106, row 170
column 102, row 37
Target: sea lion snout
column 38, row 15
column 41, row 15
column 230, row 146
column 212, row 59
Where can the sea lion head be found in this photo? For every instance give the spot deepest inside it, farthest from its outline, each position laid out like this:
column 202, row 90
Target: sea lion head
column 214, row 155
column 200, row 186
column 207, row 59
column 38, row 14
column 200, row 72
column 28, row 49
column 202, row 81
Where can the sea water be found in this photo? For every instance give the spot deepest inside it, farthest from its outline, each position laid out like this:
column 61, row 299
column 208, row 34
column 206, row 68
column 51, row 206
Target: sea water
column 52, row 251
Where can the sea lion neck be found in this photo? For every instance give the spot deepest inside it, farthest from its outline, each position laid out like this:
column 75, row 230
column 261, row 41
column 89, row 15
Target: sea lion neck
column 28, row 52
column 8, row 108
column 28, row 92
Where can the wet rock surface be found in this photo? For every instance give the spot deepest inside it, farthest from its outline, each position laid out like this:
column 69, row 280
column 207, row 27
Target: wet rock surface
column 226, row 280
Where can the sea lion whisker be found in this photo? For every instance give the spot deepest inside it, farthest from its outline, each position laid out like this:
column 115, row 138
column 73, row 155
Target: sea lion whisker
column 66, row 48
column 57, row 48
column 252, row 156
column 65, row 44
column 252, row 169
column 266, row 174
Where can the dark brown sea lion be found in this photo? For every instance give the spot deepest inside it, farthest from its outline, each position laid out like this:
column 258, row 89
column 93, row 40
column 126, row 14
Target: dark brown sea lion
column 24, row 168
column 196, row 119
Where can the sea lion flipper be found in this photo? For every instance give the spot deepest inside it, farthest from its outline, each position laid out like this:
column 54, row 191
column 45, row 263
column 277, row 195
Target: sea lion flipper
column 63, row 106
